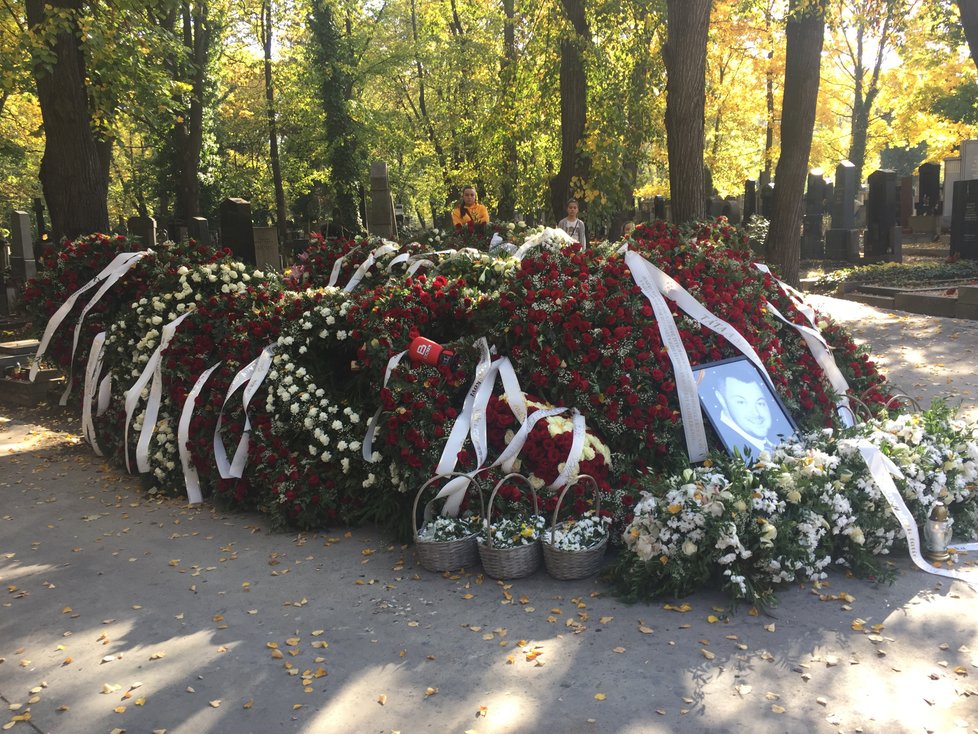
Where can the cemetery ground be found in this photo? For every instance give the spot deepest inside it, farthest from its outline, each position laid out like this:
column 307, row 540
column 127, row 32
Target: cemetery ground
column 122, row 612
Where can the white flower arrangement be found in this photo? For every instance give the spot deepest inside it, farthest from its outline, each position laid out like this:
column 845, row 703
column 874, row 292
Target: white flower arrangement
column 444, row 528
column 578, row 534
column 512, row 532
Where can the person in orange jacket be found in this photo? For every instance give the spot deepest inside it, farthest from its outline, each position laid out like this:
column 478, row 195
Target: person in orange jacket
column 469, row 210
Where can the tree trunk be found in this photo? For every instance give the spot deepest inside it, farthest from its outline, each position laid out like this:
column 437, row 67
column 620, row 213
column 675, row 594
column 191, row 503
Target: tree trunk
column 685, row 57
column 866, row 91
column 73, row 175
column 266, row 42
column 969, row 21
column 805, row 32
column 507, row 80
column 188, row 128
column 573, row 108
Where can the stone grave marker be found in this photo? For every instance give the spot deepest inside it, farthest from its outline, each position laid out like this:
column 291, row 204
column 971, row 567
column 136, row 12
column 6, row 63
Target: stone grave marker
column 964, row 225
column 659, row 207
column 842, row 239
column 731, row 210
column 142, row 229
column 882, row 228
column 969, row 160
column 952, row 173
column 929, row 183
column 22, row 263
column 199, row 230
column 380, row 216
column 750, row 198
column 767, row 201
column 811, row 236
column 267, row 254
column 237, row 233
column 905, row 199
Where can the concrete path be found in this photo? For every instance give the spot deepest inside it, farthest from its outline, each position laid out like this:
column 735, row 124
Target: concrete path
column 124, row 613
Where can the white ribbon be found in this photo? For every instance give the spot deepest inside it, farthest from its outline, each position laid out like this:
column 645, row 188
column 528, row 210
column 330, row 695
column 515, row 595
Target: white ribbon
column 823, row 356
column 796, row 296
column 111, row 280
column 573, row 464
column 335, row 273
column 120, row 263
column 153, row 369
column 190, row 476
column 104, row 395
column 92, row 370
column 368, row 439
column 252, row 375
column 369, row 263
column 881, row 468
column 403, row 257
column 689, row 404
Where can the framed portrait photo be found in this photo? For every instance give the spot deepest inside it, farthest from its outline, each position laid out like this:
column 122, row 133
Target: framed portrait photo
column 742, row 408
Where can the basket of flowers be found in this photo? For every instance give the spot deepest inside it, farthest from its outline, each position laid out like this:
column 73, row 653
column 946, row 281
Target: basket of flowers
column 574, row 548
column 446, row 543
column 509, row 545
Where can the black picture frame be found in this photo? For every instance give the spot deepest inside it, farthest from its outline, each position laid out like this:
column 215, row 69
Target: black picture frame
column 741, row 405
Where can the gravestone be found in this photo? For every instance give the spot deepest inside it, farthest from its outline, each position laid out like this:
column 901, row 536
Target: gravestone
column 142, row 229
column 266, row 248
column 882, row 229
column 237, row 233
column 750, row 199
column 731, row 210
column 842, row 239
column 659, row 207
column 22, row 264
column 905, row 198
column 767, row 201
column 812, row 247
column 380, row 216
column 929, row 182
column 4, row 253
column 715, row 206
column 952, row 173
column 964, row 225
column 763, row 179
column 199, row 230
column 969, row 160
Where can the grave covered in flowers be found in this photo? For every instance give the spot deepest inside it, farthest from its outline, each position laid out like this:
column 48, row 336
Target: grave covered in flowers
column 291, row 394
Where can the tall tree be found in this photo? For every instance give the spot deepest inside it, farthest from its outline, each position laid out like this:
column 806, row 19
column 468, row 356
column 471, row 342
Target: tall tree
column 685, row 56
column 335, row 59
column 506, row 210
column 573, row 106
column 805, row 32
column 266, row 44
column 75, row 166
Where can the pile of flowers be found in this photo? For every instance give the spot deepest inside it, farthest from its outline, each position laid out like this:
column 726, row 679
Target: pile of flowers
column 512, row 532
column 807, row 506
column 344, row 428
column 442, row 528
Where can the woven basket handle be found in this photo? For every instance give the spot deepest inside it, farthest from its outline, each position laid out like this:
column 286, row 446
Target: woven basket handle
column 428, row 505
column 492, row 498
column 560, row 499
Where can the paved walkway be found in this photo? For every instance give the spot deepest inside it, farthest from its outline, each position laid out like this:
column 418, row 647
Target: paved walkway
column 124, row 613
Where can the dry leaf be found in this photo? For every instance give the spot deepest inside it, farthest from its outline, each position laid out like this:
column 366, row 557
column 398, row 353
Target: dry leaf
column 215, row 703
column 248, row 704
column 381, row 699
column 429, row 691
column 618, row 649
column 645, row 630
column 599, row 697
column 777, row 709
column 707, row 654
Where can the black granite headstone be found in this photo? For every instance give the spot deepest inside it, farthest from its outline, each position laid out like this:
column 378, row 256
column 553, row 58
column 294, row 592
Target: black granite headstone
column 929, row 178
column 815, row 193
column 750, row 198
column 905, row 198
column 237, row 233
column 882, row 229
column 767, row 201
column 22, row 263
column 199, row 230
column 964, row 220
column 844, row 196
column 659, row 207
column 142, row 229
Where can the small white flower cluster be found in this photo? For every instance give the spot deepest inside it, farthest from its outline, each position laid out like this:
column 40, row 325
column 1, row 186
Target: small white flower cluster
column 509, row 532
column 578, row 534
column 443, row 528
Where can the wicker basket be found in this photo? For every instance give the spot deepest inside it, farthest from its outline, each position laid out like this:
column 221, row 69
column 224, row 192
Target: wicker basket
column 509, row 563
column 574, row 564
column 443, row 555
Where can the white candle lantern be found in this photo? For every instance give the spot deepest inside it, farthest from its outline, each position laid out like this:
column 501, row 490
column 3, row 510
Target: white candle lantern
column 937, row 533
